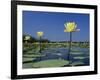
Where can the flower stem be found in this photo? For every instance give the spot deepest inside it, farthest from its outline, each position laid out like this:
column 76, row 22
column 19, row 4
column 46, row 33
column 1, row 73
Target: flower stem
column 40, row 45
column 70, row 46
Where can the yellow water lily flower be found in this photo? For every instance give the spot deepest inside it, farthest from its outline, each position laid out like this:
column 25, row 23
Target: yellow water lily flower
column 40, row 33
column 27, row 37
column 70, row 27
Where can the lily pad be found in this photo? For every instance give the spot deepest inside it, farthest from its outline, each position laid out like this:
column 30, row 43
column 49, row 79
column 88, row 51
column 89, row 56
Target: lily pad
column 33, row 55
column 28, row 59
column 76, row 53
column 77, row 64
column 27, row 65
column 80, row 57
column 51, row 63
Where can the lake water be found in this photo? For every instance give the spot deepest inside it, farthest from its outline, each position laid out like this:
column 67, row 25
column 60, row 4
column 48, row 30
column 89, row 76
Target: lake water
column 77, row 54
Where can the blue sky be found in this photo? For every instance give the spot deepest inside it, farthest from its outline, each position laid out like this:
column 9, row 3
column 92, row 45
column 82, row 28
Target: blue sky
column 52, row 24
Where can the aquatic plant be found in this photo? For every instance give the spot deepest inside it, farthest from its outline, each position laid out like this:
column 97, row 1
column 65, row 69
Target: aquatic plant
column 70, row 27
column 40, row 34
column 50, row 63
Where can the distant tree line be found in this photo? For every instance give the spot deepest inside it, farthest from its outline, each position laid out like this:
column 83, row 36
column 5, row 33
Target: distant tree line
column 32, row 40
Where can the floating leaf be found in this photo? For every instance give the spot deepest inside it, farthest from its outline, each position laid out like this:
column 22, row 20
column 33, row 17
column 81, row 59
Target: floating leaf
column 51, row 63
column 77, row 64
column 80, row 57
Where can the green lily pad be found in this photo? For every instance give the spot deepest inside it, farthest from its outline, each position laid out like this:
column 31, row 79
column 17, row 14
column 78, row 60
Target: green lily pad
column 33, row 55
column 51, row 63
column 77, row 64
column 28, row 59
column 76, row 53
column 27, row 65
column 80, row 57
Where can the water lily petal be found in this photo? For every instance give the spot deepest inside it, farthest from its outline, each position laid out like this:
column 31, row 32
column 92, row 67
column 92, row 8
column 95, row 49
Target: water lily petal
column 70, row 27
column 40, row 33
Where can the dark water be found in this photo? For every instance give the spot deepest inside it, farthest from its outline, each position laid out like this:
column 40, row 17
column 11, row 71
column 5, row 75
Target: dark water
column 62, row 53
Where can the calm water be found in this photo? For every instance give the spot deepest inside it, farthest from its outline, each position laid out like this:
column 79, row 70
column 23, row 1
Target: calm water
column 76, row 54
